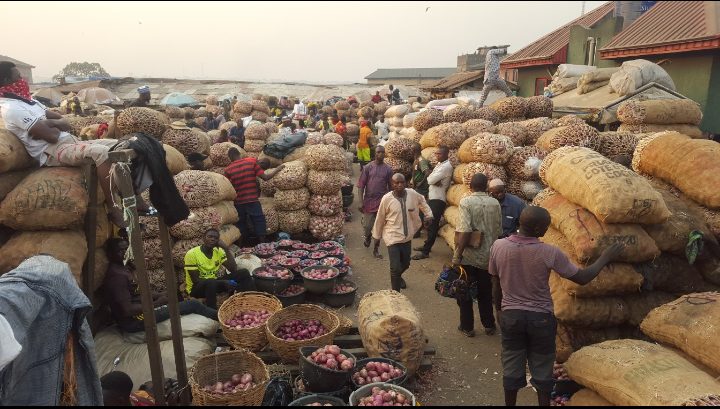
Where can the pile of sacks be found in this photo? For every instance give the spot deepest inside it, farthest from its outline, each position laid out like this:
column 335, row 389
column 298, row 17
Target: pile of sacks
column 326, row 176
column 651, row 116
column 256, row 108
column 594, row 202
column 631, row 372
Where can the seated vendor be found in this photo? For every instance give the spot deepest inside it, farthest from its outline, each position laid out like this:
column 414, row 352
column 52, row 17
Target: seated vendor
column 203, row 265
column 123, row 295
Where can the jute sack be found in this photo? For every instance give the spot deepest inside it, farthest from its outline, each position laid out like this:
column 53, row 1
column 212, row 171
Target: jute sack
column 175, row 160
column 672, row 274
column 457, row 173
column 589, row 236
column 598, row 74
column 587, row 397
column 601, row 312
column 640, row 305
column 613, row 193
column 466, row 152
column 68, row 246
column 9, row 180
column 691, row 165
column 456, row 193
column 660, row 111
column 591, row 86
column 571, row 339
column 48, row 199
column 200, row 189
column 447, row 232
column 690, row 324
column 13, row 155
column 638, row 373
column 689, row 130
column 204, row 218
column 710, row 270
column 452, row 215
column 390, row 327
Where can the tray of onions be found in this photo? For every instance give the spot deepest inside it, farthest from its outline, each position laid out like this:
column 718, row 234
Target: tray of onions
column 319, row 279
column 248, row 319
column 237, row 382
column 373, row 370
column 341, row 295
column 325, row 369
column 382, row 394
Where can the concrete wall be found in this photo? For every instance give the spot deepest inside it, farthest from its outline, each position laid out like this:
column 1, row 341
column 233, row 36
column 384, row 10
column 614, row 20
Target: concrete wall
column 403, row 81
column 603, row 32
column 711, row 119
column 527, row 76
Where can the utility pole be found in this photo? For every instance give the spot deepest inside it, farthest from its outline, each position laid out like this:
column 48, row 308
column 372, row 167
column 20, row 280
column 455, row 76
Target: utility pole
column 582, row 12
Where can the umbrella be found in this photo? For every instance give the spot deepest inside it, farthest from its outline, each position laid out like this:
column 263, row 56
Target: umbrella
column 178, row 99
column 50, row 94
column 98, row 96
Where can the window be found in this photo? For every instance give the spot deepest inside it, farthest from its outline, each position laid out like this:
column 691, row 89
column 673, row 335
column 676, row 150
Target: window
column 540, row 84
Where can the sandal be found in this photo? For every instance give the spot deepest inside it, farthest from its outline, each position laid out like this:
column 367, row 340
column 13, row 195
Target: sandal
column 420, row 256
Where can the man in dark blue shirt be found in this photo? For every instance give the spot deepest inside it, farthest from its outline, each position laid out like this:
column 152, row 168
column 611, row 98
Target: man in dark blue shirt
column 237, row 135
column 511, row 206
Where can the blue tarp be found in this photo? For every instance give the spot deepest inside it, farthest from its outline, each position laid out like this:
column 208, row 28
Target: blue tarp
column 178, row 99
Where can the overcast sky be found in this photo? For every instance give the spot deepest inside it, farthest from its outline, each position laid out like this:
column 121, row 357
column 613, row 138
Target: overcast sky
column 291, row 41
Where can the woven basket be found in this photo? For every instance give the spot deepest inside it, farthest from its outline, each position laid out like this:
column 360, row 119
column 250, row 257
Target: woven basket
column 253, row 339
column 221, row 366
column 288, row 351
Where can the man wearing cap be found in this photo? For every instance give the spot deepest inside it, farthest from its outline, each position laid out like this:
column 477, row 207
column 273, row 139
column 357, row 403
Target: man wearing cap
column 210, row 123
column 511, row 206
column 196, row 160
column 143, row 98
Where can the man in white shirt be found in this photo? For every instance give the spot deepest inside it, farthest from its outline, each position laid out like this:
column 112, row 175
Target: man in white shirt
column 492, row 75
column 382, row 128
column 439, row 181
column 46, row 136
column 300, row 113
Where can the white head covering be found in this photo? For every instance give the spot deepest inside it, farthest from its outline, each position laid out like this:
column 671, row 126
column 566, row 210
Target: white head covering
column 496, row 183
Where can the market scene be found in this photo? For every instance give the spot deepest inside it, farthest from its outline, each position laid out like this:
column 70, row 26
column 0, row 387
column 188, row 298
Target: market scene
column 200, row 241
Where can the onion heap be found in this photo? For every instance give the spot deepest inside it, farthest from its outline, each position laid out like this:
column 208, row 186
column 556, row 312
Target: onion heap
column 248, row 319
column 293, row 290
column 381, row 397
column 331, row 357
column 236, row 383
column 273, row 272
column 376, row 372
column 300, row 330
column 320, row 274
column 342, row 289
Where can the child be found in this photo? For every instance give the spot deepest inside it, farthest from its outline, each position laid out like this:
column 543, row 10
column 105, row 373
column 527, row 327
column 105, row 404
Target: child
column 363, row 146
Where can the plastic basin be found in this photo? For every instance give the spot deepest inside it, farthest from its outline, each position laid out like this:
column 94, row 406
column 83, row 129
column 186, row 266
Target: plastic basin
column 361, row 364
column 319, row 287
column 310, row 399
column 341, row 300
column 320, row 379
column 365, row 391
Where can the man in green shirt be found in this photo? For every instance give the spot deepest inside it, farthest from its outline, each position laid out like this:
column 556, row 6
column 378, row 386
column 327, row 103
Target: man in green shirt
column 202, row 265
column 421, row 170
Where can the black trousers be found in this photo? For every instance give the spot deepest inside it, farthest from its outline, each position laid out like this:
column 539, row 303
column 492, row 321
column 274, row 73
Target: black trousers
column 399, row 255
column 438, row 208
column 208, row 289
column 481, row 279
column 163, row 314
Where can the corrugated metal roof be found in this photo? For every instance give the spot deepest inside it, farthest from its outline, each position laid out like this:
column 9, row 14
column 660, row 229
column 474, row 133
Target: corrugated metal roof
column 456, row 80
column 550, row 44
column 390, row 73
column 670, row 22
column 16, row 62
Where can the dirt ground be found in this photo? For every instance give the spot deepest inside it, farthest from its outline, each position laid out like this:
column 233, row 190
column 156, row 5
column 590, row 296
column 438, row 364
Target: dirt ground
column 466, row 371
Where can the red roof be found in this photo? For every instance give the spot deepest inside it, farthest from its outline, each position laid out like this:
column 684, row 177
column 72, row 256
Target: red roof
column 552, row 48
column 669, row 27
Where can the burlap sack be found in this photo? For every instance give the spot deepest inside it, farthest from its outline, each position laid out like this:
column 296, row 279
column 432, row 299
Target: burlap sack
column 204, row 218
column 689, row 130
column 640, row 305
column 452, row 215
column 691, row 165
column 601, row 312
column 175, row 160
column 13, row 155
column 68, row 246
column 672, row 274
column 589, row 236
column 660, row 111
column 390, row 327
column 47, row 199
column 587, row 397
column 710, row 270
column 200, row 189
column 591, row 86
column 9, row 180
column 638, row 373
column 456, row 193
column 457, row 173
column 598, row 74
column 689, row 324
column 571, row 339
column 613, row 193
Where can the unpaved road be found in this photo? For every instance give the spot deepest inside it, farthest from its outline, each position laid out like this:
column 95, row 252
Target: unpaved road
column 466, row 371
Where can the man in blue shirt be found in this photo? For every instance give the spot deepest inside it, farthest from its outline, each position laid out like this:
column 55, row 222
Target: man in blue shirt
column 510, row 205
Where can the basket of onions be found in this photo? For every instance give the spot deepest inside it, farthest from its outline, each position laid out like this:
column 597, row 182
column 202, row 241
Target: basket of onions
column 342, row 295
column 295, row 294
column 319, row 279
column 272, row 279
column 373, row 370
column 243, row 316
column 318, row 400
column 233, row 378
column 382, row 394
column 326, row 369
column 298, row 326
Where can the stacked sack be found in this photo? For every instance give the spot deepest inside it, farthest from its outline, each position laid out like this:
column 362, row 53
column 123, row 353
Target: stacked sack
column 594, row 79
column 256, row 135
column 219, row 156
column 326, row 176
column 593, row 203
column 680, row 115
column 399, row 155
column 292, row 197
column 394, row 116
column 210, row 197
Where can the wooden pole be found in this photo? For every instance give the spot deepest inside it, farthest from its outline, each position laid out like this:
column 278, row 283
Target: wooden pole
column 176, row 325
column 90, row 172
column 123, row 178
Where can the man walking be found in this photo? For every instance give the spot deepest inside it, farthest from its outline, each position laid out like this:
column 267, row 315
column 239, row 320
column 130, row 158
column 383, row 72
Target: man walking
column 421, row 171
column 510, row 205
column 492, row 75
column 479, row 226
column 373, row 184
column 398, row 218
column 439, row 182
column 243, row 174
column 522, row 264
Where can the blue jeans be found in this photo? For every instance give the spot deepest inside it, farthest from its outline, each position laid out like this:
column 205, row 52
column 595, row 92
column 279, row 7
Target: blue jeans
column 252, row 211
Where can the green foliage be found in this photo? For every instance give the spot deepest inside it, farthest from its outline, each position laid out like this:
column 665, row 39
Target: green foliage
column 81, row 69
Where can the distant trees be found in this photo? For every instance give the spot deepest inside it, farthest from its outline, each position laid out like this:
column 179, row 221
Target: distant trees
column 81, row 69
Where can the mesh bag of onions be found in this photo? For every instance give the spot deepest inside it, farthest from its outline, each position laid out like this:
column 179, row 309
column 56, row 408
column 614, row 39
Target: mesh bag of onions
column 293, row 222
column 295, row 199
column 513, row 130
column 326, row 228
column 476, row 126
column 486, row 113
column 325, row 157
column 492, row 148
column 535, row 128
column 219, row 153
column 256, row 132
column 400, row 148
column 333, row 139
column 524, row 163
column 325, row 205
column 184, row 140
column 573, row 135
column 199, row 188
column 427, row 119
column 326, row 182
column 510, row 107
column 292, row 177
column 271, row 216
column 450, row 134
column 458, row 114
column 314, row 138
column 490, row 170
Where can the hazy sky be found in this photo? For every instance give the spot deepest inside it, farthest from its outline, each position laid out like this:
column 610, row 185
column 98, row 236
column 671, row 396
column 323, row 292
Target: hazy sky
column 301, row 41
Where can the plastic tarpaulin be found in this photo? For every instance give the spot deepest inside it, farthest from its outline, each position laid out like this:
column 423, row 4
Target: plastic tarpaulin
column 98, row 96
column 178, row 99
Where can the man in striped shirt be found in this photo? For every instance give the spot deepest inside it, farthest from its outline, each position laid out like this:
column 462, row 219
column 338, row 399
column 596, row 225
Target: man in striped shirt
column 243, row 174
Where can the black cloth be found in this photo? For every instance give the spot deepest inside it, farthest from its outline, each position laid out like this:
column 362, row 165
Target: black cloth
column 399, row 255
column 209, row 289
column 163, row 314
column 138, row 103
column 286, row 146
column 481, row 279
column 163, row 192
column 438, row 208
